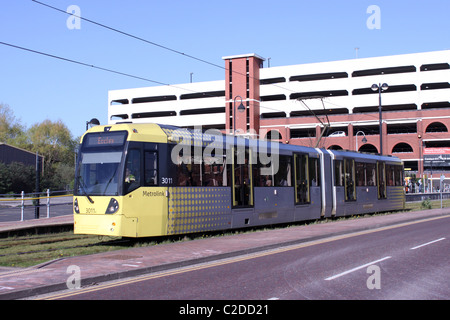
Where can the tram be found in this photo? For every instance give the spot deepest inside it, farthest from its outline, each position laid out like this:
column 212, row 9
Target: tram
column 145, row 180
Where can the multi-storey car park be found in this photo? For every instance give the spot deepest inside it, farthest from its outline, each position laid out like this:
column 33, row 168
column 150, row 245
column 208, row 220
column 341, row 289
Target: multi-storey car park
column 329, row 105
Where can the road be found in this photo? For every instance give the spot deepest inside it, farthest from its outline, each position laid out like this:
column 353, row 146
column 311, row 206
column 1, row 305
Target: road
column 11, row 210
column 407, row 262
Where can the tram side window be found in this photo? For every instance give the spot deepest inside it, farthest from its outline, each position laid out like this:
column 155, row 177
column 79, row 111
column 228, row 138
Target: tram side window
column 338, row 173
column 195, row 167
column 283, row 175
column 314, row 172
column 196, row 163
column 183, row 168
column 150, row 167
column 381, row 180
column 280, row 173
column 399, row 175
column 301, row 179
column 188, row 168
column 350, row 185
column 264, row 176
column 394, row 175
column 365, row 174
column 360, row 174
column 213, row 171
column 133, row 170
column 371, row 174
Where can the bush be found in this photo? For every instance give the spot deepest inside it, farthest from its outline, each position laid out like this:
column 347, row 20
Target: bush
column 16, row 177
column 426, row 204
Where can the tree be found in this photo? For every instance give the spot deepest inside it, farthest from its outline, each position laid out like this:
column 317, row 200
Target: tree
column 11, row 131
column 54, row 141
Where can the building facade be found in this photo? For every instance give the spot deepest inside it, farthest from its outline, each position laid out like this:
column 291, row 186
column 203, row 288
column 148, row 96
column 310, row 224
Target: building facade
column 10, row 154
column 327, row 105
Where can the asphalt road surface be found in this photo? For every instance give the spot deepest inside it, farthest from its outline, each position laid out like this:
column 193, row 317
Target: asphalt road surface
column 11, row 210
column 407, row 262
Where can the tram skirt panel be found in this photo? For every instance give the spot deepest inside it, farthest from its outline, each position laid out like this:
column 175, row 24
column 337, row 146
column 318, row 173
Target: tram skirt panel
column 198, row 209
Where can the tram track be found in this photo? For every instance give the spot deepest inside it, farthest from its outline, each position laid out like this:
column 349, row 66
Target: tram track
column 112, row 242
column 25, row 251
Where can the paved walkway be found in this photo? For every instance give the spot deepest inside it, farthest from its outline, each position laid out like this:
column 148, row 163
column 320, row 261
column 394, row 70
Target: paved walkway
column 53, row 276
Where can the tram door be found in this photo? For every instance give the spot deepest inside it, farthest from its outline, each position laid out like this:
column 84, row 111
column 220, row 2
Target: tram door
column 242, row 179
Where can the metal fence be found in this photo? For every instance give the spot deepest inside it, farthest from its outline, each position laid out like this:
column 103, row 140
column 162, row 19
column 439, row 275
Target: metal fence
column 21, row 206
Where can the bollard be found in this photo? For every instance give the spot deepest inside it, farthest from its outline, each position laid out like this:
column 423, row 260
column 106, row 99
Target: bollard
column 23, row 205
column 48, row 203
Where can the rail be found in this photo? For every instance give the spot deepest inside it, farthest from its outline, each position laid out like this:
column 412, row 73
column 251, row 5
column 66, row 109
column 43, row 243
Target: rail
column 28, row 200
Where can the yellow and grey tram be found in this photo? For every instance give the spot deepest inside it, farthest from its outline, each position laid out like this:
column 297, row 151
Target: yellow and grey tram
column 144, row 180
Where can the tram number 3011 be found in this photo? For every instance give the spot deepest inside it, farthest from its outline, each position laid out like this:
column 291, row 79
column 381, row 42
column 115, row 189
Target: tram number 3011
column 165, row 180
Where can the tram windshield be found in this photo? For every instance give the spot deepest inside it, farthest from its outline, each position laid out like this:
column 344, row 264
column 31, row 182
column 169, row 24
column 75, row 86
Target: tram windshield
column 98, row 166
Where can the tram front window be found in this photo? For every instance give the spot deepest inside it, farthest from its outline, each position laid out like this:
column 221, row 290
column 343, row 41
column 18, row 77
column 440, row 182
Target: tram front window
column 98, row 173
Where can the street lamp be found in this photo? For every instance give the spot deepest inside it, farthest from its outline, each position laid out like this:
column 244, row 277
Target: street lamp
column 93, row 121
column 240, row 108
column 364, row 140
column 380, row 87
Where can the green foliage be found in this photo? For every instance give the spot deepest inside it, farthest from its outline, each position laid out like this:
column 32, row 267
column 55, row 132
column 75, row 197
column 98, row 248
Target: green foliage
column 16, row 177
column 11, row 131
column 426, row 204
column 52, row 140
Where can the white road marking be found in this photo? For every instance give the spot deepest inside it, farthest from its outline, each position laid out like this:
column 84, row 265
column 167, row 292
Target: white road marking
column 130, row 265
column 5, row 288
column 425, row 244
column 357, row 268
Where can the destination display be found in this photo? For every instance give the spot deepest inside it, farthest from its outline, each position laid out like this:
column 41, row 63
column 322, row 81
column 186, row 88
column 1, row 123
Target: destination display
column 106, row 139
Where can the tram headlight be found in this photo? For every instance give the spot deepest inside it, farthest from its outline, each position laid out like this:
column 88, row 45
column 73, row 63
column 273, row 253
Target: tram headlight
column 113, row 206
column 76, row 208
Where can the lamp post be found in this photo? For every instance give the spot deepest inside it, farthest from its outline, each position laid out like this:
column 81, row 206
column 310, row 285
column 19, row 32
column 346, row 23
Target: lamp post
column 93, row 121
column 364, row 140
column 240, row 108
column 380, row 87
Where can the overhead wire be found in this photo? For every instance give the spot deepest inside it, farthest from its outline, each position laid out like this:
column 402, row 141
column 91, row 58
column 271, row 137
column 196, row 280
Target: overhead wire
column 165, row 48
column 81, row 63
column 128, row 34
column 153, row 43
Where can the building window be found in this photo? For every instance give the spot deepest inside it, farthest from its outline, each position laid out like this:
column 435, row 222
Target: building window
column 153, row 99
column 200, row 95
column 436, row 127
column 319, row 76
column 155, row 114
column 402, row 148
column 119, row 102
column 273, row 135
column 272, row 81
column 380, row 71
column 402, row 128
column 435, row 85
column 434, row 66
column 202, row 111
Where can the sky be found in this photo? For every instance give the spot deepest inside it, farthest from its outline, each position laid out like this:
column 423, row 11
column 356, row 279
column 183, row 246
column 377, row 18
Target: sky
column 38, row 87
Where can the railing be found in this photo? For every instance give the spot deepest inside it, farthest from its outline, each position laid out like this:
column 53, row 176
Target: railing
column 30, row 200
